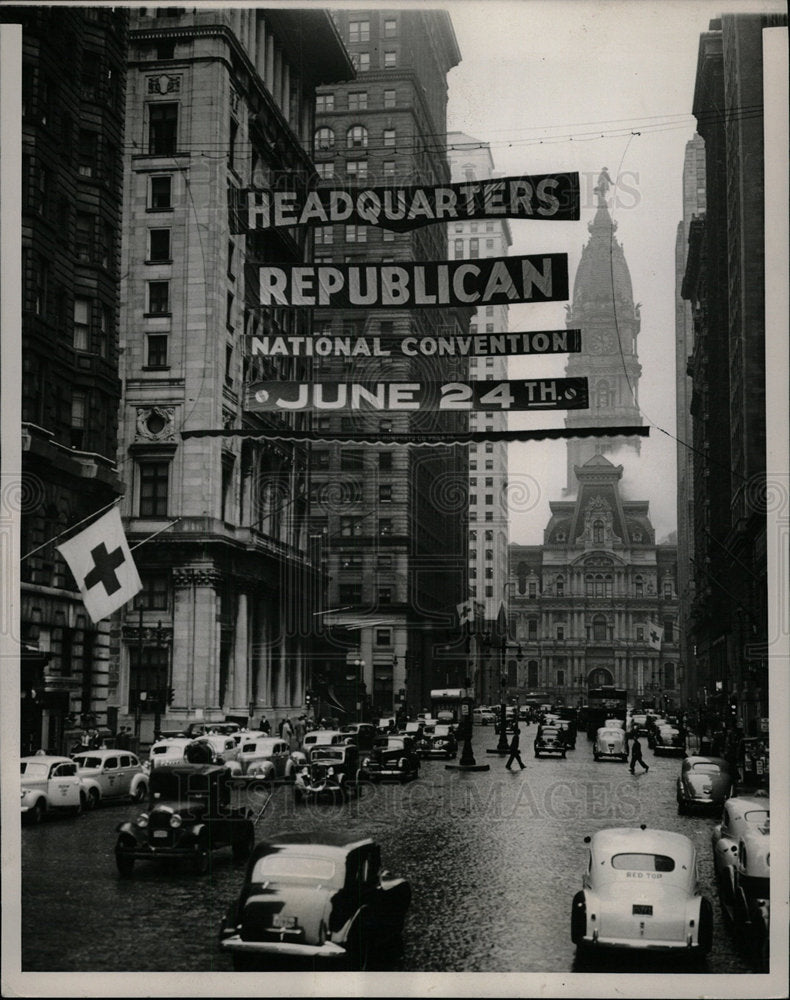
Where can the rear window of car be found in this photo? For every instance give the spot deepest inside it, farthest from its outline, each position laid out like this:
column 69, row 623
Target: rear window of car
column 611, row 734
column 93, row 763
column 643, row 862
column 288, row 865
column 35, row 771
column 706, row 769
column 126, row 761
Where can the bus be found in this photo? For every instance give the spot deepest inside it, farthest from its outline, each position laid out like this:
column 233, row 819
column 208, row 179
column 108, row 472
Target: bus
column 604, row 703
column 451, row 706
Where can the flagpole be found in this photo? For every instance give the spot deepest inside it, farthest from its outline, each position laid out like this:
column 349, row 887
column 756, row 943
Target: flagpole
column 148, row 539
column 66, row 531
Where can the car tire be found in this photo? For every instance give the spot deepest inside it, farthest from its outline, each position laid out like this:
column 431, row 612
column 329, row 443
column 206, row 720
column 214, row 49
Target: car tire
column 124, row 863
column 38, row 812
column 358, row 950
column 705, row 936
column 140, row 793
column 93, row 798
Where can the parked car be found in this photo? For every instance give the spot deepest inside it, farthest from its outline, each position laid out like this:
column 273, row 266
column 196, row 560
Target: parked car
column 195, row 729
column 362, row 733
column 610, row 744
column 50, row 785
column 332, row 771
column 192, row 811
column 322, row 737
column 386, row 724
column 223, row 749
column 111, row 774
column 316, row 898
column 413, row 730
column 639, row 724
column 669, row 740
column 266, row 757
column 391, row 757
column 654, row 723
column 742, row 864
column 640, row 891
column 439, row 741
column 568, row 720
column 483, row 716
column 169, row 752
column 703, row 783
column 549, row 740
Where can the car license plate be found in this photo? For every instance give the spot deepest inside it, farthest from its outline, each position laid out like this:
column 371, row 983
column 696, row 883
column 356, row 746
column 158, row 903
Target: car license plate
column 160, row 834
column 642, row 910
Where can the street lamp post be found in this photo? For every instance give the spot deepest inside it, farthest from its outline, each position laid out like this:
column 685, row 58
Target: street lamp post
column 502, row 746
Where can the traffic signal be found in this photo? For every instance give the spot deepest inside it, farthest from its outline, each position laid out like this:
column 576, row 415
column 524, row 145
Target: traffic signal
column 171, row 694
column 308, row 697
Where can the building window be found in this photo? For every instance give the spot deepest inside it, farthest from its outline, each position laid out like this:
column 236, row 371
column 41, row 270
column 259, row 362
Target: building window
column 389, row 136
column 87, row 147
column 155, row 595
column 385, row 525
column 359, row 31
column 639, row 586
column 350, row 526
column 385, row 595
column 156, row 354
column 358, row 100
column 390, row 27
column 159, row 245
column 324, row 102
column 532, row 628
column 84, row 235
column 390, row 60
column 459, row 249
column 598, row 532
column 640, row 633
column 82, row 311
column 320, row 459
column 667, row 589
column 356, row 234
column 323, row 139
column 385, row 461
column 154, row 478
column 489, row 244
column 560, row 631
column 358, row 169
column 352, row 461
column 560, row 587
column 533, row 589
column 389, row 172
column 361, row 61
column 669, row 630
column 357, row 137
column 669, row 675
column 326, row 171
column 383, row 637
column 384, row 562
column 160, row 192
column 599, row 628
column 79, row 408
column 390, row 98
column 474, row 247
column 158, row 298
column 560, row 678
column 106, row 324
column 385, row 494
column 162, row 129
column 532, row 673
column 350, row 593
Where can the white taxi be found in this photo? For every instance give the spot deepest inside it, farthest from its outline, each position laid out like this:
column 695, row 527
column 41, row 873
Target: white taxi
column 50, row 784
column 610, row 744
column 111, row 774
column 266, row 757
column 640, row 891
column 169, row 752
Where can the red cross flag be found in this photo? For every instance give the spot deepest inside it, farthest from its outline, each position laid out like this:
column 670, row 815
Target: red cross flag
column 655, row 633
column 101, row 563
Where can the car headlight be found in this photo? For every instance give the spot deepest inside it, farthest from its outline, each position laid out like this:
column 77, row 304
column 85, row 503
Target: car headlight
column 365, row 761
column 175, row 820
column 330, row 772
column 142, row 820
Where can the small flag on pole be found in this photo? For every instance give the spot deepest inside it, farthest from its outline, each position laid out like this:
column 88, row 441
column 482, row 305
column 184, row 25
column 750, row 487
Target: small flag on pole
column 465, row 612
column 101, row 563
column 655, row 633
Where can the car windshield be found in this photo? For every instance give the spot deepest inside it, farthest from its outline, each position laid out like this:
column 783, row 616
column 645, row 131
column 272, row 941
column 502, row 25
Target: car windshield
column 289, row 865
column 325, row 753
column 643, row 862
column 706, row 768
column 34, row 770
column 92, row 763
column 258, row 746
column 441, row 730
column 391, row 744
column 549, row 731
column 610, row 734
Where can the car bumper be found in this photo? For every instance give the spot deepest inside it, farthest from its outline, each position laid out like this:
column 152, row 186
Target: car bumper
column 292, row 948
column 612, row 754
column 385, row 772
column 142, row 852
column 639, row 944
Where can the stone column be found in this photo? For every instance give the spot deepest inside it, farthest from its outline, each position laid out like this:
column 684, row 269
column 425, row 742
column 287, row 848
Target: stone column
column 238, row 695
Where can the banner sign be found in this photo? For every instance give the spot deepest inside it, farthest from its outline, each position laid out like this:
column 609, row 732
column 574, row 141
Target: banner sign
column 474, row 345
column 535, row 196
column 491, row 281
column 531, row 394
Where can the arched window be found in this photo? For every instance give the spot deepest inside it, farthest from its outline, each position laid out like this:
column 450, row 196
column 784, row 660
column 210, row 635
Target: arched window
column 560, row 678
column 357, row 137
column 532, row 628
column 608, row 585
column 512, row 673
column 604, row 394
column 532, row 673
column 598, row 532
column 599, row 628
column 589, row 585
column 521, row 572
column 323, row 139
column 560, row 587
column 600, row 590
column 639, row 586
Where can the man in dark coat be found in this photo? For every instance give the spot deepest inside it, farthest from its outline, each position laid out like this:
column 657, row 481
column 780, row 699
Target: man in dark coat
column 636, row 755
column 514, row 751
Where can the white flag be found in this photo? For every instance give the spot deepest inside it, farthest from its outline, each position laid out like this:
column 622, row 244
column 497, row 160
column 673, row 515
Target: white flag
column 655, row 634
column 465, row 612
column 101, row 563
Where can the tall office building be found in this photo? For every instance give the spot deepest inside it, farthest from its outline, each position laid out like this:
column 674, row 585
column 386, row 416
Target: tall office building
column 471, row 160
column 392, row 520
column 73, row 71
column 693, row 212
column 217, row 99
column 725, row 284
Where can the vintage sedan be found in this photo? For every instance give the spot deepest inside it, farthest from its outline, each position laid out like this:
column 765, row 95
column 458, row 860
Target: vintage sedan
column 322, row 737
column 266, row 757
column 414, row 731
column 640, row 891
column 704, row 783
column 391, row 757
column 192, row 811
column 50, row 785
column 169, row 752
column 439, row 741
column 362, row 734
column 332, row 772
column 667, row 740
column 222, row 749
column 483, row 716
column 639, row 724
column 610, row 744
column 111, row 775
column 549, row 740
column 317, row 900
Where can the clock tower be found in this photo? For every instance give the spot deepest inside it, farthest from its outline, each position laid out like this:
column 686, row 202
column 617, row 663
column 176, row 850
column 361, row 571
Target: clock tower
column 603, row 309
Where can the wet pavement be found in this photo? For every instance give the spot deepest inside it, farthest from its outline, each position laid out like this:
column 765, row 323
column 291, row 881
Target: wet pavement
column 494, row 859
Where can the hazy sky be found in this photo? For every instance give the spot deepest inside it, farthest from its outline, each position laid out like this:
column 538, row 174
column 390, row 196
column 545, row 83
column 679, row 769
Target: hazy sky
column 560, row 85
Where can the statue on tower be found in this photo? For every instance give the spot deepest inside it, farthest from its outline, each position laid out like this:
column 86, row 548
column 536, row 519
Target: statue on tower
column 604, row 183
